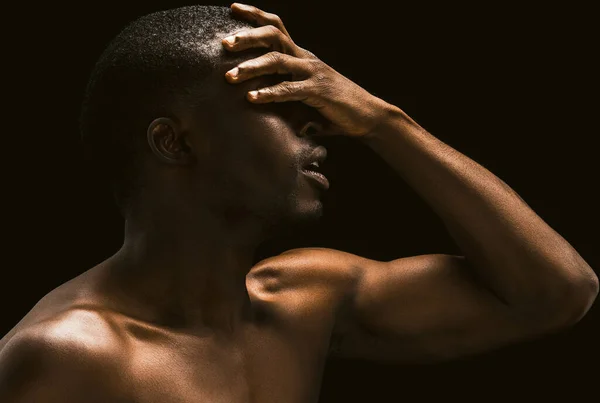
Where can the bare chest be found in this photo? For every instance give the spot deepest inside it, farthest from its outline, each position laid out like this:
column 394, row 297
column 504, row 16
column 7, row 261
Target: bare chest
column 265, row 365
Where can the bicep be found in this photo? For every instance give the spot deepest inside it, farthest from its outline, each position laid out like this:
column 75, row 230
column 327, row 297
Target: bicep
column 423, row 308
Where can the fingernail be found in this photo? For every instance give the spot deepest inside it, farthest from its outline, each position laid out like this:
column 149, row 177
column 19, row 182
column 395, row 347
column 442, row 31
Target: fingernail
column 233, row 72
column 230, row 40
column 253, row 94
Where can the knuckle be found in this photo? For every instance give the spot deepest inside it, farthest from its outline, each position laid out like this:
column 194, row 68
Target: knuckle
column 312, row 55
column 320, row 78
column 240, row 34
column 274, row 57
column 244, row 68
column 314, row 66
column 322, row 86
column 288, row 44
column 273, row 18
column 273, row 30
column 306, row 54
column 288, row 88
column 319, row 75
column 266, row 91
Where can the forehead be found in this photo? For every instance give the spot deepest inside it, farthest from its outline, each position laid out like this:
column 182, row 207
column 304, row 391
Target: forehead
column 229, row 60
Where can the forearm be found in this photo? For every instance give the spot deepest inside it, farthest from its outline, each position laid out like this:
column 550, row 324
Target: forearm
column 518, row 256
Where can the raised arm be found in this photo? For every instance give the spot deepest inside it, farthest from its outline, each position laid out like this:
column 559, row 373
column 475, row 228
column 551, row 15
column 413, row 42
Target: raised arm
column 415, row 309
column 434, row 307
column 509, row 249
column 517, row 278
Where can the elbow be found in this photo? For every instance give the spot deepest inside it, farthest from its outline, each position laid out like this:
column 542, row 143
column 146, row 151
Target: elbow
column 575, row 299
column 587, row 292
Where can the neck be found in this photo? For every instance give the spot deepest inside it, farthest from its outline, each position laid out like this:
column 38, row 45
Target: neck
column 185, row 271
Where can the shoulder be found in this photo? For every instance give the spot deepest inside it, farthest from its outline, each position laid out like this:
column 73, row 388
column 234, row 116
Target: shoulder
column 304, row 279
column 310, row 264
column 75, row 353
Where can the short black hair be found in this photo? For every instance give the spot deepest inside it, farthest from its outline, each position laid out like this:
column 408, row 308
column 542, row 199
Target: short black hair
column 156, row 60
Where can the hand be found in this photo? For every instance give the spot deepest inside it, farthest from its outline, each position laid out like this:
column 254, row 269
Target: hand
column 350, row 109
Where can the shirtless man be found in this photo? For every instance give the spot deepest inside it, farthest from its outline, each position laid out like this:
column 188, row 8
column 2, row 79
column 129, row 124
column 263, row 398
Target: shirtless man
column 205, row 169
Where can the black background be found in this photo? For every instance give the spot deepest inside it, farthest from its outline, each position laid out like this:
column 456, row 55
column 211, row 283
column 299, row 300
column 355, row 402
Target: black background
column 511, row 87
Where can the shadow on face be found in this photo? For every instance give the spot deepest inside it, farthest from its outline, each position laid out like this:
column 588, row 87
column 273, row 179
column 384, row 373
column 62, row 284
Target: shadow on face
column 250, row 156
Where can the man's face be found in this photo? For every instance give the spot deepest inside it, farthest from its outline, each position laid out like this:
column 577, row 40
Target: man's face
column 253, row 155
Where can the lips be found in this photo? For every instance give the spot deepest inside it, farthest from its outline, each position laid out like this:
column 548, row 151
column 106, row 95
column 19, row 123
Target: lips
column 312, row 169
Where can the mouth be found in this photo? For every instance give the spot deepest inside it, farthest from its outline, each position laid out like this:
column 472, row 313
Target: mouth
column 312, row 169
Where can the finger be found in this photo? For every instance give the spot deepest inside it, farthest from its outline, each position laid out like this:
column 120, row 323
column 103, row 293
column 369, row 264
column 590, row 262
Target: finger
column 259, row 16
column 262, row 37
column 282, row 92
column 270, row 63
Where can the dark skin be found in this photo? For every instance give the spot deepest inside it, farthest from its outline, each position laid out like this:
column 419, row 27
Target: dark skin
column 180, row 314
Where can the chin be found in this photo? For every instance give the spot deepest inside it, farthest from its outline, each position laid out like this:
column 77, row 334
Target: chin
column 307, row 212
column 300, row 214
column 311, row 213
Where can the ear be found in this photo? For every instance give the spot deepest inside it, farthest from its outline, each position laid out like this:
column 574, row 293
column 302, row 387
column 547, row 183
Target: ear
column 167, row 142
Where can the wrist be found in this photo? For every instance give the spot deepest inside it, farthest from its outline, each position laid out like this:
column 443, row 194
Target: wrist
column 391, row 119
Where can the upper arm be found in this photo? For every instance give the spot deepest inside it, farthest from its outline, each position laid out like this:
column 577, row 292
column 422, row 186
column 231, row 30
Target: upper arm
column 425, row 308
column 38, row 368
column 420, row 308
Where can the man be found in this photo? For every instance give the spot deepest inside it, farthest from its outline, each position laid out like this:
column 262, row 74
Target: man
column 204, row 124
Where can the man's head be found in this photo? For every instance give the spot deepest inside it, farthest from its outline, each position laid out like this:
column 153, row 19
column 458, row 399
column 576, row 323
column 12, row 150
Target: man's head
column 160, row 118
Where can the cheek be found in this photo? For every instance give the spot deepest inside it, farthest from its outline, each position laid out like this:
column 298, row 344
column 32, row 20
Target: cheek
column 275, row 140
column 275, row 151
column 264, row 152
column 257, row 143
